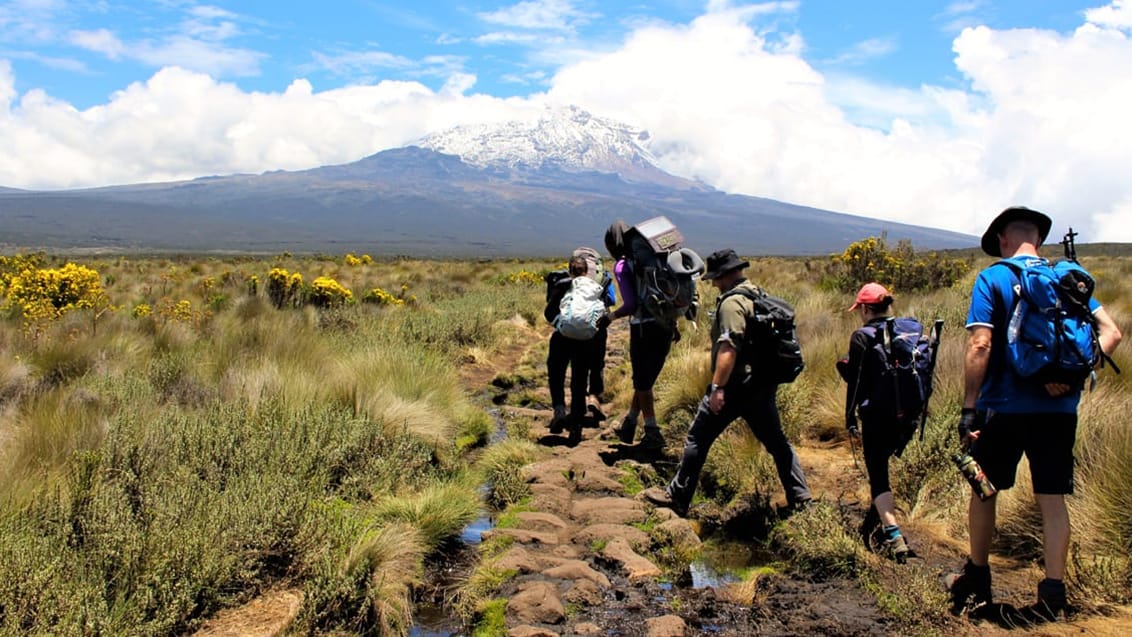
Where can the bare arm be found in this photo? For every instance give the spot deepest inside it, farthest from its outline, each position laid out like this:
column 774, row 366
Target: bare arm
column 724, row 365
column 1110, row 335
column 975, row 363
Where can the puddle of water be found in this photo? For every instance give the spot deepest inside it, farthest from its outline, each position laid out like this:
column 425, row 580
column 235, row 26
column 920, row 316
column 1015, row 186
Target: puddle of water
column 473, row 533
column 725, row 562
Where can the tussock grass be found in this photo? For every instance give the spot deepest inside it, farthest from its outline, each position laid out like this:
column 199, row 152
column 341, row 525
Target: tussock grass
column 499, row 467
column 817, row 543
column 437, row 512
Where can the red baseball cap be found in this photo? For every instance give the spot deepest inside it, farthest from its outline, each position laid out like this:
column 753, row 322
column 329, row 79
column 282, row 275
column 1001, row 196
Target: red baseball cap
column 870, row 294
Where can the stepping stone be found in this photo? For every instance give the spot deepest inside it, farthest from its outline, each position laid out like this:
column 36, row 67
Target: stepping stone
column 530, row 631
column 540, row 521
column 584, row 592
column 537, row 603
column 608, row 511
column 609, row 532
column 524, row 536
column 587, row 628
column 577, row 570
column 666, row 626
column 550, row 498
column 678, row 533
column 636, row 567
column 518, row 559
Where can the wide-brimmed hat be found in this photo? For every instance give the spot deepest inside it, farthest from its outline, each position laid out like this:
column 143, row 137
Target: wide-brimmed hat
column 870, row 294
column 1015, row 213
column 721, row 262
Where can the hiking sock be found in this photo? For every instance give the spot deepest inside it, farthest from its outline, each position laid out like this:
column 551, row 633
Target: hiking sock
column 891, row 531
column 650, row 424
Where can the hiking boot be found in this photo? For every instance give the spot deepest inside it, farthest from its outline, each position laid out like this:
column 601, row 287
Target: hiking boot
column 558, row 421
column 652, row 441
column 1051, row 600
column 969, row 588
column 625, row 431
column 659, row 497
column 897, row 549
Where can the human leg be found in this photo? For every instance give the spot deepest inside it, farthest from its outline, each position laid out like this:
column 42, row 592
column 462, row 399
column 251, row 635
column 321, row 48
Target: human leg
column 703, row 432
column 597, row 363
column 761, row 414
column 1055, row 533
column 557, row 359
column 579, row 376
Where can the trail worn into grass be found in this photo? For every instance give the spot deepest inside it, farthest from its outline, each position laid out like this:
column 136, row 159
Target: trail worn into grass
column 589, row 558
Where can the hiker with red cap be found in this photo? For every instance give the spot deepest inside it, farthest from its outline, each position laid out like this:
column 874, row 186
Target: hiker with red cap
column 1007, row 413
column 888, row 371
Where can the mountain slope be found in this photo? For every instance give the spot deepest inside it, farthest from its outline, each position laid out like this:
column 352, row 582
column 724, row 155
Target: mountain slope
column 534, row 188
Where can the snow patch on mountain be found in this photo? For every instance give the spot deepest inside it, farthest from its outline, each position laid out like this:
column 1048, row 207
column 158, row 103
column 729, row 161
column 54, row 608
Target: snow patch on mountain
column 565, row 138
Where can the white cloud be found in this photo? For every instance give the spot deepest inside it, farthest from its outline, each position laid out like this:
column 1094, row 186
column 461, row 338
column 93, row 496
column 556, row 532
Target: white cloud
column 866, row 50
column 99, row 41
column 1117, row 14
column 1041, row 123
column 547, row 15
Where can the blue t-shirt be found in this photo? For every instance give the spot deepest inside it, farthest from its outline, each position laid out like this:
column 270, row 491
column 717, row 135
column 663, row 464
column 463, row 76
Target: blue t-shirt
column 1003, row 390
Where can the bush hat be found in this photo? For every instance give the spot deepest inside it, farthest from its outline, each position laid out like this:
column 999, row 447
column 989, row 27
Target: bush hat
column 870, row 294
column 721, row 262
column 1004, row 218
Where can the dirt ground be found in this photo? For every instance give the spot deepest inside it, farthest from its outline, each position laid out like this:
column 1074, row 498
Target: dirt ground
column 586, row 567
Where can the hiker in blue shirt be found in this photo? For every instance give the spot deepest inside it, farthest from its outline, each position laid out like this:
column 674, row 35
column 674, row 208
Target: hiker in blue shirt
column 1005, row 415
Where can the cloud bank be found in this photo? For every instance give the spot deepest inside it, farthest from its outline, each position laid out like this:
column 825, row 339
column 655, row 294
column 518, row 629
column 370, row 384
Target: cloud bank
column 1040, row 121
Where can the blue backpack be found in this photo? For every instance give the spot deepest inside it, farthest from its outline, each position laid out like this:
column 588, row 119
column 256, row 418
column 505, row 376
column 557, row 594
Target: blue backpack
column 901, row 362
column 1052, row 334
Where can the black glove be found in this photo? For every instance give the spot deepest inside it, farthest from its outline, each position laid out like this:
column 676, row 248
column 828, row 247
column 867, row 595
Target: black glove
column 604, row 320
column 969, row 420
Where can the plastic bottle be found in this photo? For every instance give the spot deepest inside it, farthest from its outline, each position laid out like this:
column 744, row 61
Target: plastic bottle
column 974, row 474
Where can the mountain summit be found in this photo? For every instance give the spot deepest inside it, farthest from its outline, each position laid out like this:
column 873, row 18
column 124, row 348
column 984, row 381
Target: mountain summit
column 567, row 139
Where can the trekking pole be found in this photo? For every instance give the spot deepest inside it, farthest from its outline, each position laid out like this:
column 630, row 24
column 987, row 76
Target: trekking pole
column 1069, row 245
column 937, row 331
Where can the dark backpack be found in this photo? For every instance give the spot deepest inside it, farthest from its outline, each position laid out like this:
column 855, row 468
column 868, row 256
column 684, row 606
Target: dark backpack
column 1051, row 335
column 557, row 283
column 664, row 272
column 770, row 348
column 897, row 369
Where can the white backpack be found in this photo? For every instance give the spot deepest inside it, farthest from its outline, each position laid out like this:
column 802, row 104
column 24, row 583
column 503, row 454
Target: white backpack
column 580, row 309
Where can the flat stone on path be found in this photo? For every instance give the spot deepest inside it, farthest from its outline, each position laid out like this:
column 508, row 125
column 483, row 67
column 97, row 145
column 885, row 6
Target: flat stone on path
column 666, row 626
column 550, row 498
column 608, row 511
column 635, row 566
column 518, row 559
column 597, row 483
column 577, row 570
column 266, row 616
column 587, row 628
column 609, row 532
column 540, row 521
column 538, row 603
column 524, row 536
column 583, row 592
column 677, row 532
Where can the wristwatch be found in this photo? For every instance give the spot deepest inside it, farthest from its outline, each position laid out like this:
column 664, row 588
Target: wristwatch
column 714, row 388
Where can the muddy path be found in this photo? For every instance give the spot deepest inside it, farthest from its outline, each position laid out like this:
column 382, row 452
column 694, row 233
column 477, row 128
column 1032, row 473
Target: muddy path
column 593, row 559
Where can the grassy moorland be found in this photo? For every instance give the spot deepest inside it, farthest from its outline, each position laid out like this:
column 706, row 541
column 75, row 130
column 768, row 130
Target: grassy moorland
column 177, row 436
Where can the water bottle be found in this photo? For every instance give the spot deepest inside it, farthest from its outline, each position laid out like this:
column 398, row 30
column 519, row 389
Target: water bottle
column 974, row 474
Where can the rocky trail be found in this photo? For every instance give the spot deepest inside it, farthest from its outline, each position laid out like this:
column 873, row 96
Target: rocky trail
column 591, row 558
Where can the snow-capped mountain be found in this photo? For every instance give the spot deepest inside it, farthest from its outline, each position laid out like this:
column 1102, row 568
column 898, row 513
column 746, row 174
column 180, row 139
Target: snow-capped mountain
column 539, row 187
column 568, row 138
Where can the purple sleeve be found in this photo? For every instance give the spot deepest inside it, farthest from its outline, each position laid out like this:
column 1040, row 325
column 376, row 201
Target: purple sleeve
column 624, row 275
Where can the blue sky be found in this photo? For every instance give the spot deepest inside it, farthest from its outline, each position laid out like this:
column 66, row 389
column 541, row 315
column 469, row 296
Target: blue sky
column 931, row 112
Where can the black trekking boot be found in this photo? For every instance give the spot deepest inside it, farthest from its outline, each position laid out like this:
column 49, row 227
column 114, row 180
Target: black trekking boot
column 1051, row 600
column 969, row 588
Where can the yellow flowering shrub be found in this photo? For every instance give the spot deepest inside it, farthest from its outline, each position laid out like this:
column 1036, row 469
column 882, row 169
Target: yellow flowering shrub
column 285, row 288
column 142, row 310
column 47, row 294
column 901, row 268
column 325, row 292
column 523, row 277
column 354, row 261
column 378, row 296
